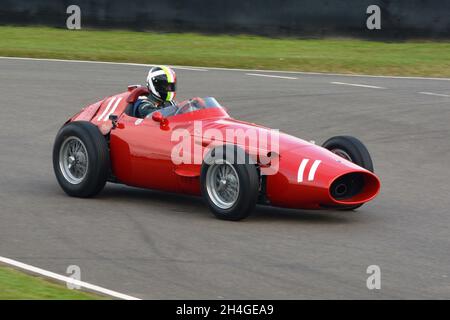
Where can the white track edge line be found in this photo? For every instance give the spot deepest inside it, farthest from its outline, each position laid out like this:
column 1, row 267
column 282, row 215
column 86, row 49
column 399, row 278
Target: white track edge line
column 65, row 279
column 356, row 85
column 194, row 68
column 270, row 76
column 434, row 94
column 191, row 68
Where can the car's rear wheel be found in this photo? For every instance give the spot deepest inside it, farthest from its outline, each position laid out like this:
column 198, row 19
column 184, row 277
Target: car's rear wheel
column 81, row 159
column 229, row 187
column 353, row 150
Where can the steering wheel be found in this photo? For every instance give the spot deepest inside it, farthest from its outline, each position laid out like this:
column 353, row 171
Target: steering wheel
column 192, row 105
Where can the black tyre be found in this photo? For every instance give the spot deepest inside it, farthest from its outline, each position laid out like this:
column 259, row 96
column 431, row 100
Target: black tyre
column 230, row 186
column 81, row 159
column 352, row 149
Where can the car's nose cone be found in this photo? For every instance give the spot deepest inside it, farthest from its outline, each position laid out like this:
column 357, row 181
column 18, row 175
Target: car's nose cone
column 313, row 177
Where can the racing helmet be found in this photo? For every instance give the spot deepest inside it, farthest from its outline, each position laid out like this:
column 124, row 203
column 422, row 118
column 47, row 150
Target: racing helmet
column 161, row 82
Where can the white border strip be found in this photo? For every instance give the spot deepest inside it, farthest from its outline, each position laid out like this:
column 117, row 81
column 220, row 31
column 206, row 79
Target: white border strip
column 113, row 109
column 193, row 68
column 106, row 109
column 301, row 170
column 357, row 85
column 65, row 279
column 312, row 171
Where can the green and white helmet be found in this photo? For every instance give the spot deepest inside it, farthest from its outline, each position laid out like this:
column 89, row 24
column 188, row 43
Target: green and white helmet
column 161, row 82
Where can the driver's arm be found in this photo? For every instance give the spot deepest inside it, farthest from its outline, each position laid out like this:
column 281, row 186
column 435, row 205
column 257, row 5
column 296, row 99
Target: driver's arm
column 144, row 108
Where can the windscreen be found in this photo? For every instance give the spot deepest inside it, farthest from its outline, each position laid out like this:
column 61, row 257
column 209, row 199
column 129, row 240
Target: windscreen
column 195, row 104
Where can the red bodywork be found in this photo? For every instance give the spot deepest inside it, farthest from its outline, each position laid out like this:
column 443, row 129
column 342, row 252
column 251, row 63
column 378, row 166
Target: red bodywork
column 141, row 156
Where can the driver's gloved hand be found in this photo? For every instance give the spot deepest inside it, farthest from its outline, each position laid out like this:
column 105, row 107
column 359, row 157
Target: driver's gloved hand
column 145, row 108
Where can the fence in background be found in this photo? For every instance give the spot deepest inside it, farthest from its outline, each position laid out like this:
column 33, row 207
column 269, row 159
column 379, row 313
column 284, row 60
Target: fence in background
column 304, row 18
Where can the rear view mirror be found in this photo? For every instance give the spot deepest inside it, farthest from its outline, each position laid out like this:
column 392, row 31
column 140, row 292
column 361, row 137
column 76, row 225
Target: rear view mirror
column 163, row 122
column 157, row 117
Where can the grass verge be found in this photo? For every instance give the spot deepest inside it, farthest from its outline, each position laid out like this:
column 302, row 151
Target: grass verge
column 15, row 285
column 414, row 58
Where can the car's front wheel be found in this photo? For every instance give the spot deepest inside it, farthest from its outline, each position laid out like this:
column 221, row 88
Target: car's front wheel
column 81, row 159
column 230, row 188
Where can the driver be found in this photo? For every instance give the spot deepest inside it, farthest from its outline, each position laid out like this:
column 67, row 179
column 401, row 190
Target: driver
column 161, row 83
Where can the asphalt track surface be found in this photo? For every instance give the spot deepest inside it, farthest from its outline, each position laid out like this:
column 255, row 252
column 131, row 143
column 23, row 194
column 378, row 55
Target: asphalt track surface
column 157, row 245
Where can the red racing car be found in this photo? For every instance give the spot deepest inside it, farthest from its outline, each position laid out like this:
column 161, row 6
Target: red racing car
column 196, row 148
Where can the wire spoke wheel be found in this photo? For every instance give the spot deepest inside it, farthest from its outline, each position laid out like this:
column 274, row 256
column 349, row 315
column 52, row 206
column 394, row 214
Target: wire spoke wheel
column 342, row 153
column 81, row 159
column 222, row 184
column 73, row 160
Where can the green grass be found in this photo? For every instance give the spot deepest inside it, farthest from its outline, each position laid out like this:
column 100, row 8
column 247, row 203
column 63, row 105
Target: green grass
column 15, row 285
column 414, row 58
